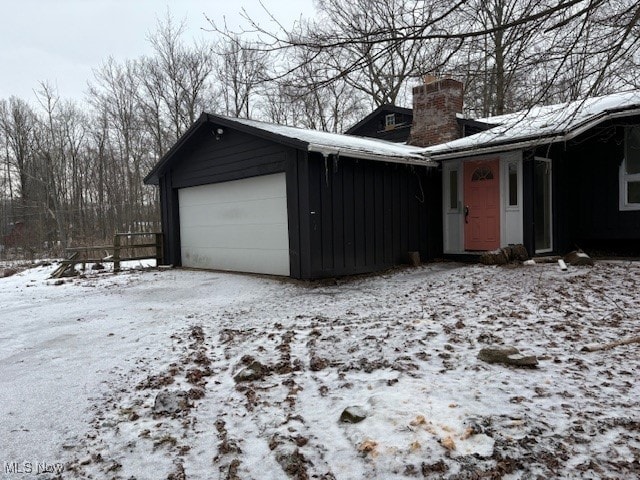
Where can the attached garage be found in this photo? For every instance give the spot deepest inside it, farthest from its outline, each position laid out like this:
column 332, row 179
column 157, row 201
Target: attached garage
column 250, row 196
column 239, row 226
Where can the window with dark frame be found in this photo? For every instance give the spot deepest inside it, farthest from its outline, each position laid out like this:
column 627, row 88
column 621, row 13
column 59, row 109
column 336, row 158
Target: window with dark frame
column 631, row 167
column 513, row 184
column 453, row 189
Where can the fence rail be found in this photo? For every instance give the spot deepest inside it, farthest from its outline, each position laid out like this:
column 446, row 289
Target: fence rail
column 124, row 248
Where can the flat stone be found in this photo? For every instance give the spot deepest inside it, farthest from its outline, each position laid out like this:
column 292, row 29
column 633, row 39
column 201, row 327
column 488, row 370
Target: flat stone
column 577, row 259
column 353, row 414
column 507, row 356
column 496, row 354
column 519, row 360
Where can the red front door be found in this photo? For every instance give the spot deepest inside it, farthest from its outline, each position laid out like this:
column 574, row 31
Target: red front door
column 482, row 205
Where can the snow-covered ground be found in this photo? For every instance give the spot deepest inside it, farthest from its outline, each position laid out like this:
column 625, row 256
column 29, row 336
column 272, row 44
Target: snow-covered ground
column 81, row 365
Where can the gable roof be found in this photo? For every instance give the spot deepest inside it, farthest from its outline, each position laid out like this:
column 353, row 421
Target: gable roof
column 325, row 143
column 386, row 108
column 539, row 126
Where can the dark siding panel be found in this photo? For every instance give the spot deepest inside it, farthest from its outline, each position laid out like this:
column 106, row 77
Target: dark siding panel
column 369, row 216
column 431, row 229
column 379, row 215
column 304, row 189
column 375, row 213
column 175, row 221
column 586, row 187
column 170, row 221
column 338, row 216
column 590, row 177
column 236, row 155
column 293, row 214
column 404, row 213
column 327, row 218
column 396, row 199
column 346, row 167
column 358, row 212
column 388, row 217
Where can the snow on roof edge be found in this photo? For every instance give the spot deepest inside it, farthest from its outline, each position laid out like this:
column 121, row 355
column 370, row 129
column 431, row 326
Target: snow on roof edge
column 328, row 143
column 539, row 125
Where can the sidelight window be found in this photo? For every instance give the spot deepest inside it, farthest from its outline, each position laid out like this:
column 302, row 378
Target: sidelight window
column 630, row 171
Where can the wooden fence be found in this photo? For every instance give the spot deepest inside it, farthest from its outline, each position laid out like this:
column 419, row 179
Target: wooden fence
column 126, row 247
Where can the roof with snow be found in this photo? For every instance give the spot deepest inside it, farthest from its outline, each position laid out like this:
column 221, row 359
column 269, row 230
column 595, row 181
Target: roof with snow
column 385, row 108
column 340, row 144
column 539, row 125
column 325, row 143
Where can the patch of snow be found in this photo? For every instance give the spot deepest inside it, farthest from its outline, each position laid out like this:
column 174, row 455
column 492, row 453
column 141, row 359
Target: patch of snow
column 82, row 363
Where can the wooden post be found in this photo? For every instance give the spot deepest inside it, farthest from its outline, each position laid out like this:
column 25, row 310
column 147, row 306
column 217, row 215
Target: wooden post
column 159, row 252
column 116, row 253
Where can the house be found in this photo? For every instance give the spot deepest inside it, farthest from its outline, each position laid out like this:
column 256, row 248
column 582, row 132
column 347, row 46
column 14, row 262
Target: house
column 387, row 122
column 249, row 196
column 393, row 123
column 554, row 178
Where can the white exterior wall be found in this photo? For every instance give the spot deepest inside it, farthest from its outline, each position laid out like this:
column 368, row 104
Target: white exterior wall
column 511, row 220
column 453, row 220
column 510, row 216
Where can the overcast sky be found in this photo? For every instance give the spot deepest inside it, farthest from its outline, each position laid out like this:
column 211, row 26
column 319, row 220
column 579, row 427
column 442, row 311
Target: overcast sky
column 61, row 41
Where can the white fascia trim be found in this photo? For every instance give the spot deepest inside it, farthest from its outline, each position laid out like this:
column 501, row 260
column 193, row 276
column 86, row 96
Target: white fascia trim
column 347, row 152
column 495, row 149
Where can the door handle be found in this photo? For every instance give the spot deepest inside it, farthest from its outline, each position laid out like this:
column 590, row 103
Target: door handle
column 466, row 214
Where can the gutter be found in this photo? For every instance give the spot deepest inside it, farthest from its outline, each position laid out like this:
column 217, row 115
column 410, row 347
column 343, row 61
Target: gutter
column 347, row 152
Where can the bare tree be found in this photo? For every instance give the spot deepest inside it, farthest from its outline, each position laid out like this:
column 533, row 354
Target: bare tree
column 241, row 69
column 518, row 39
column 315, row 103
column 176, row 76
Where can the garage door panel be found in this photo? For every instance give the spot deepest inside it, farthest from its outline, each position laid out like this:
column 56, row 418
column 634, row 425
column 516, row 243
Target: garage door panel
column 239, row 226
column 274, row 262
column 265, row 186
column 272, row 236
column 253, row 212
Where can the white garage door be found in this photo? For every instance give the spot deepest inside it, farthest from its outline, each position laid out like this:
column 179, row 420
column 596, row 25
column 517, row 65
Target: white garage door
column 239, row 226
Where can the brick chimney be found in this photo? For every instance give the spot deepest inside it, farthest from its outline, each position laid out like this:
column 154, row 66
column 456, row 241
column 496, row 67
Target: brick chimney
column 435, row 105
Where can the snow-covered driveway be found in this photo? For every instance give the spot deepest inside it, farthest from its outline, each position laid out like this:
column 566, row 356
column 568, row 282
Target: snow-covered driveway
column 81, row 365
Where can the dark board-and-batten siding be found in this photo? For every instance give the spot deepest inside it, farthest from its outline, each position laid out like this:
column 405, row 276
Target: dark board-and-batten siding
column 588, row 209
column 365, row 216
column 585, row 176
column 236, row 155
